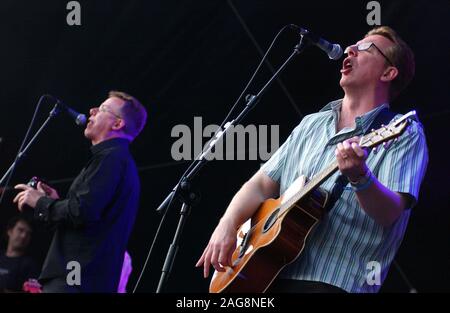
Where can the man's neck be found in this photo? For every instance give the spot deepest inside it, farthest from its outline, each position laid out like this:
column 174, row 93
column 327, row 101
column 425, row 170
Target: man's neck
column 13, row 253
column 357, row 104
column 107, row 137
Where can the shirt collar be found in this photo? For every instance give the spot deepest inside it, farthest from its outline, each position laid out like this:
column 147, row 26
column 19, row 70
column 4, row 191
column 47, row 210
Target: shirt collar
column 362, row 122
column 110, row 143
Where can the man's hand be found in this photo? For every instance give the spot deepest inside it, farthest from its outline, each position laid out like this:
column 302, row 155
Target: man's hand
column 220, row 248
column 351, row 159
column 28, row 196
column 49, row 191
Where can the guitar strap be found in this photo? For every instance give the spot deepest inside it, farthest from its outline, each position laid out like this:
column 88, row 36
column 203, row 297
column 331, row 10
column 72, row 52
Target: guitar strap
column 384, row 117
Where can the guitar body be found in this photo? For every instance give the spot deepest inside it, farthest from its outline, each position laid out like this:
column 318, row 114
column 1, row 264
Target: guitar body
column 275, row 239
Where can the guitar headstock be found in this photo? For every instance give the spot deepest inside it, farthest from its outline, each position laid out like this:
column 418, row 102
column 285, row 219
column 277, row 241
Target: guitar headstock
column 388, row 132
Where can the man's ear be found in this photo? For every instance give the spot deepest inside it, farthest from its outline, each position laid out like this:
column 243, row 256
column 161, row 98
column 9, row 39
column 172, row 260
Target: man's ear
column 389, row 74
column 119, row 124
column 9, row 232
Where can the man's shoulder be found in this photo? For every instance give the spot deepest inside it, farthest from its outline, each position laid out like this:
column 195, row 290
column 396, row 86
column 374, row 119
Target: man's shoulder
column 414, row 127
column 24, row 261
column 331, row 105
column 117, row 153
column 310, row 120
column 119, row 158
column 326, row 110
column 412, row 139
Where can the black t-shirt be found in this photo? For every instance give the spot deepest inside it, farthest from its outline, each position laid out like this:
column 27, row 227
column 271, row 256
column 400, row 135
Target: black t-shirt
column 15, row 271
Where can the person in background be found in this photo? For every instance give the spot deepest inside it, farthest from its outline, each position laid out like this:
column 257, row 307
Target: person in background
column 16, row 267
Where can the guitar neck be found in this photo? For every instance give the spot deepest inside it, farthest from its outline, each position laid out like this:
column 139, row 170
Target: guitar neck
column 315, row 182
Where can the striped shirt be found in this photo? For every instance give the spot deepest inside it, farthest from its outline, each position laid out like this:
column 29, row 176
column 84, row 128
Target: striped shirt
column 342, row 248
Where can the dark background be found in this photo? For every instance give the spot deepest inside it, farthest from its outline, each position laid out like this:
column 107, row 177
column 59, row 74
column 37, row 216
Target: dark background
column 193, row 58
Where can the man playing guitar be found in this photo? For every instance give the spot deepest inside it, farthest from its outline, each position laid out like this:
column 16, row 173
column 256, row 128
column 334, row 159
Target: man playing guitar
column 367, row 222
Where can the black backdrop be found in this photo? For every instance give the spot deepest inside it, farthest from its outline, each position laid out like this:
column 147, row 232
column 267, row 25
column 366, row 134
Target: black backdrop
column 192, row 58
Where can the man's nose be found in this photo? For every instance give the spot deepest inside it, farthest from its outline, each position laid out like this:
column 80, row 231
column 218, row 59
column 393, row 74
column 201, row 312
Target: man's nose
column 93, row 111
column 352, row 51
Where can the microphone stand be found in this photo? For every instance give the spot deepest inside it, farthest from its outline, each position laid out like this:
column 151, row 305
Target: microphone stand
column 182, row 191
column 55, row 111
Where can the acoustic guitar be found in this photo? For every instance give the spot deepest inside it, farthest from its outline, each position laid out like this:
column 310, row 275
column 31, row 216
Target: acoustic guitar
column 276, row 234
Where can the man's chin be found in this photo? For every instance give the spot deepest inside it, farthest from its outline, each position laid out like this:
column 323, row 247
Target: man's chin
column 87, row 134
column 345, row 81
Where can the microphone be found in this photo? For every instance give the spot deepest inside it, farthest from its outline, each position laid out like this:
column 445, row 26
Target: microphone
column 334, row 51
column 79, row 118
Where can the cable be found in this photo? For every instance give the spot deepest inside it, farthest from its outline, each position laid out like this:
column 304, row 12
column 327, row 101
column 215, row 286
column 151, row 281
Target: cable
column 24, row 142
column 243, row 92
column 150, row 252
column 269, row 65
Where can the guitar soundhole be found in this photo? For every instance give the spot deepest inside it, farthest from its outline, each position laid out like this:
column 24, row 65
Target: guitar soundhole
column 271, row 220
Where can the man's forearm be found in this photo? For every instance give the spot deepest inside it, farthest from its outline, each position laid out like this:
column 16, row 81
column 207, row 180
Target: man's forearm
column 247, row 200
column 380, row 203
column 243, row 205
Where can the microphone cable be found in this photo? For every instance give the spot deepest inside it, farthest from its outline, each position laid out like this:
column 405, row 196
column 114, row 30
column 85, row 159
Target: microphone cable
column 24, row 142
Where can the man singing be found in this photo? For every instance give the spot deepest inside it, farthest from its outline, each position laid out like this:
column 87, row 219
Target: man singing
column 367, row 222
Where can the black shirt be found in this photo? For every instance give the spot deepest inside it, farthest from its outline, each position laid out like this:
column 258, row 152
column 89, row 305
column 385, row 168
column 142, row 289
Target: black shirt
column 94, row 221
column 14, row 271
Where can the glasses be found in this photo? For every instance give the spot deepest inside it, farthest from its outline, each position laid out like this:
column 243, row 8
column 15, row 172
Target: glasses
column 366, row 46
column 103, row 109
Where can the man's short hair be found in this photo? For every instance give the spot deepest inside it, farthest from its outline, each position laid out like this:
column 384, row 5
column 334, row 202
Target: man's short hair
column 401, row 56
column 133, row 112
column 12, row 222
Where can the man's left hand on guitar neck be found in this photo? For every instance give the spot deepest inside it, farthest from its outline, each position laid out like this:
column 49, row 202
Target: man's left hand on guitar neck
column 380, row 203
column 351, row 159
